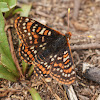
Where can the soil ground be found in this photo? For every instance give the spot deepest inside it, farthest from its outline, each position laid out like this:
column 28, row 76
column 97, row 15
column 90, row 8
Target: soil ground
column 53, row 13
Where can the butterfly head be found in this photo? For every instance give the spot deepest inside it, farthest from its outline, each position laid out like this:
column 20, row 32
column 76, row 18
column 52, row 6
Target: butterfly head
column 68, row 35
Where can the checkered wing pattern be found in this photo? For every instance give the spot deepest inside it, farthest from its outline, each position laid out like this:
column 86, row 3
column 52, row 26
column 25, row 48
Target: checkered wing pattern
column 33, row 33
column 27, row 54
column 47, row 49
column 62, row 68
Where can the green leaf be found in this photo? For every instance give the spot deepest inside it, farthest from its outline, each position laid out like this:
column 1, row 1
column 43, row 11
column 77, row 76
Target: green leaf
column 30, row 70
column 17, row 10
column 8, row 4
column 34, row 93
column 11, row 12
column 26, row 9
column 5, row 74
column 4, row 49
column 24, row 65
column 9, row 64
column 4, row 7
column 1, row 22
column 11, row 3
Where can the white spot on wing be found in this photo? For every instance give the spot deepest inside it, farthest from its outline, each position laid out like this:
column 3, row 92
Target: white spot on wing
column 24, row 24
column 32, row 47
column 52, row 59
column 27, row 19
column 25, row 31
column 65, row 52
column 30, row 38
column 24, row 27
column 49, row 33
column 42, row 31
column 55, row 56
column 29, row 33
column 41, row 45
column 50, row 56
column 35, row 52
column 58, row 69
column 68, row 75
column 61, row 70
column 63, row 74
column 43, row 48
column 33, row 30
column 59, row 58
column 35, row 26
column 45, row 63
column 64, row 59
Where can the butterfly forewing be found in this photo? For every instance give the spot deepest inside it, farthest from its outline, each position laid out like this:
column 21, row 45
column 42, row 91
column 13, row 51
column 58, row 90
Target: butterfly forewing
column 32, row 32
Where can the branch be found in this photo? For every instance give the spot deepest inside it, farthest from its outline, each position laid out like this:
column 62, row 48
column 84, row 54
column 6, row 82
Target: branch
column 86, row 46
column 13, row 54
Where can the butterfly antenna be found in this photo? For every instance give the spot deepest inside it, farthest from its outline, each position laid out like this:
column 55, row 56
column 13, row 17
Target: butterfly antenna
column 68, row 18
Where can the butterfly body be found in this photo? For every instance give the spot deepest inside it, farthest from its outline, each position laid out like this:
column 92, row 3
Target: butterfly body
column 47, row 49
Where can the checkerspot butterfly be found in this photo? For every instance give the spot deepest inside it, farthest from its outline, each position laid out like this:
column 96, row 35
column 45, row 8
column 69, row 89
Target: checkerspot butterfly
column 47, row 49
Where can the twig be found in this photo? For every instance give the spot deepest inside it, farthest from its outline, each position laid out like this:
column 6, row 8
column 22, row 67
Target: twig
column 71, row 93
column 13, row 54
column 76, row 9
column 54, row 94
column 43, row 14
column 4, row 91
column 86, row 46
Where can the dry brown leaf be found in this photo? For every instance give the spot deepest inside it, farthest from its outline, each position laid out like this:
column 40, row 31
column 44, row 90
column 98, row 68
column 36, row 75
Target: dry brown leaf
column 79, row 26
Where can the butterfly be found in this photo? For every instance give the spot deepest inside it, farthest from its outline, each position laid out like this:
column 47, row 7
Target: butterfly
column 46, row 48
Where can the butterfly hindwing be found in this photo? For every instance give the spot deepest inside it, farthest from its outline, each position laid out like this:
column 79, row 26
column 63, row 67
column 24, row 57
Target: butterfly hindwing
column 62, row 68
column 27, row 54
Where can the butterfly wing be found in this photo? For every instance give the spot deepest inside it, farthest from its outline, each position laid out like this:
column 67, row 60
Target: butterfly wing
column 33, row 33
column 62, row 69
column 28, row 55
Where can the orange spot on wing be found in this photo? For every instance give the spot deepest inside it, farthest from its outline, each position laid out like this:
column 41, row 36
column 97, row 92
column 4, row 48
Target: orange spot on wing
column 65, row 55
column 32, row 33
column 43, row 69
column 35, row 41
column 30, row 55
column 66, row 62
column 36, row 74
column 22, row 41
column 29, row 25
column 48, row 72
column 25, row 61
column 28, row 52
column 70, row 82
column 19, row 54
column 55, row 64
column 20, row 37
column 68, row 70
column 45, row 33
column 60, row 64
column 40, row 67
column 32, row 58
column 44, row 72
column 39, row 28
column 18, row 33
column 35, row 36
column 16, row 21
